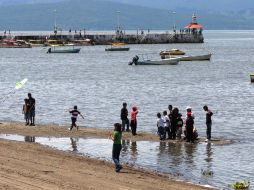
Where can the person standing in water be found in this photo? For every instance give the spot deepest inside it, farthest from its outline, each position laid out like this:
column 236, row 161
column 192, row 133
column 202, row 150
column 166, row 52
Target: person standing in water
column 124, row 117
column 134, row 114
column 74, row 115
column 25, row 111
column 116, row 137
column 31, row 111
column 189, row 128
column 208, row 122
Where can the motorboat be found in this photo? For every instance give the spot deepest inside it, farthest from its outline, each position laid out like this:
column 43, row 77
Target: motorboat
column 118, row 47
column 63, row 49
column 14, row 44
column 171, row 52
column 204, row 57
column 169, row 61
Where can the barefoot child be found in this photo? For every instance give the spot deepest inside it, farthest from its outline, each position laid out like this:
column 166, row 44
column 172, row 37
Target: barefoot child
column 117, row 145
column 134, row 114
column 74, row 116
column 25, row 111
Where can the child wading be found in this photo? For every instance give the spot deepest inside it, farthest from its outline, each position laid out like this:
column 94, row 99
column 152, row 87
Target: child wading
column 25, row 111
column 160, row 125
column 74, row 116
column 208, row 122
column 117, row 145
column 166, row 123
column 134, row 114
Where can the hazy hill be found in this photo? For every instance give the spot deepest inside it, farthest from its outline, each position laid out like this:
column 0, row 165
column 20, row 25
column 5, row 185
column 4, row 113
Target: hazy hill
column 101, row 15
column 194, row 5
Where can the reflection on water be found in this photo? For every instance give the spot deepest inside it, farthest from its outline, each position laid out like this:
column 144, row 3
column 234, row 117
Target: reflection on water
column 184, row 160
column 29, row 139
column 74, row 144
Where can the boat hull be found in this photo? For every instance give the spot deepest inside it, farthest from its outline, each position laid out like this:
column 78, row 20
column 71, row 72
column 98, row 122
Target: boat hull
column 65, row 51
column 205, row 57
column 171, row 61
column 117, row 49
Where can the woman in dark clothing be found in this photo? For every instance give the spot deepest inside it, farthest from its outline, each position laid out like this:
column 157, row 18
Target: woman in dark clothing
column 189, row 128
column 174, row 120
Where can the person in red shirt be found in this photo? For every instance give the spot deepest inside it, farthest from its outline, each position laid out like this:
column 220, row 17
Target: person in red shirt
column 134, row 120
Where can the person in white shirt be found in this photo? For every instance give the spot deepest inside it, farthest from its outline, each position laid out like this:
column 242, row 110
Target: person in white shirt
column 160, row 125
column 166, row 124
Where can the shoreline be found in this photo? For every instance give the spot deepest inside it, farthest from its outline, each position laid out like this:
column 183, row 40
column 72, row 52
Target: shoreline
column 39, row 166
column 45, row 130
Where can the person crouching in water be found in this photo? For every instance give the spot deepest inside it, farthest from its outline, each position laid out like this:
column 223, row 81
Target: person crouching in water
column 134, row 114
column 160, row 126
column 117, row 145
column 25, row 111
column 74, row 116
column 189, row 127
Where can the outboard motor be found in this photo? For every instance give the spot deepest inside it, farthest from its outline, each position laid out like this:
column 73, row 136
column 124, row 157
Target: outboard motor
column 49, row 50
column 134, row 60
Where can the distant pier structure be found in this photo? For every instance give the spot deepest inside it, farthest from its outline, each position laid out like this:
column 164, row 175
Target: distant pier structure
column 192, row 33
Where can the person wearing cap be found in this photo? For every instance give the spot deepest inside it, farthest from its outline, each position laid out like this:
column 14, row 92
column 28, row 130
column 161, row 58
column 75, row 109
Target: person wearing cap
column 134, row 114
column 208, row 122
column 189, row 127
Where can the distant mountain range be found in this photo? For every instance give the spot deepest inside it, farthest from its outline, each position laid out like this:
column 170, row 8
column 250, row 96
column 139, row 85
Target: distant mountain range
column 193, row 5
column 139, row 14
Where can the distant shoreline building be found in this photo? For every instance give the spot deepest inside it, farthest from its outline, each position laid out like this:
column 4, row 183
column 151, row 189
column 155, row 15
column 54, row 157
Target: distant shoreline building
column 191, row 34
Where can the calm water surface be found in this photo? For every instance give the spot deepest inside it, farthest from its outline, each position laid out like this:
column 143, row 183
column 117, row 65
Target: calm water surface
column 98, row 82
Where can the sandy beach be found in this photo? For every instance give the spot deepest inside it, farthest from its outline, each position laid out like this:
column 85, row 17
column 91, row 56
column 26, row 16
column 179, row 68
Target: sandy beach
column 33, row 166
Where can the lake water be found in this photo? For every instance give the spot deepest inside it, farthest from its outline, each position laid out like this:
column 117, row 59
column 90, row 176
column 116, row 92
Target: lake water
column 98, row 82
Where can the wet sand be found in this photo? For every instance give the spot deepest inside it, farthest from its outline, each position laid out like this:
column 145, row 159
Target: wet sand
column 32, row 166
column 60, row 131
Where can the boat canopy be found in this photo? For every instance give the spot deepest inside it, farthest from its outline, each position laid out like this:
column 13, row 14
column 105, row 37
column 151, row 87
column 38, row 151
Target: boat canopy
column 118, row 44
column 194, row 25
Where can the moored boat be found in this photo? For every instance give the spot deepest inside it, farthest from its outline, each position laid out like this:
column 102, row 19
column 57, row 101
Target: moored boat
column 14, row 44
column 63, row 49
column 172, row 52
column 204, row 57
column 118, row 47
column 169, row 61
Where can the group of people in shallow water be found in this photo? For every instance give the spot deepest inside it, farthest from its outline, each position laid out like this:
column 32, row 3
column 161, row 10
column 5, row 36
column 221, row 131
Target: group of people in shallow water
column 170, row 125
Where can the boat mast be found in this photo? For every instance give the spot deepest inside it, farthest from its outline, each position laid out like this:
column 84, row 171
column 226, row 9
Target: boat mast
column 55, row 27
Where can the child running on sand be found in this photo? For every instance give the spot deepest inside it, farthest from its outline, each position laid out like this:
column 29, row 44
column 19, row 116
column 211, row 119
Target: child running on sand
column 117, row 145
column 74, row 116
column 25, row 111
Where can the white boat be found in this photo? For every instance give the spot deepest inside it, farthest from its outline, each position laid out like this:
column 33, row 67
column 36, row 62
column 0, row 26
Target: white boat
column 205, row 57
column 169, row 61
column 63, row 49
column 252, row 77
